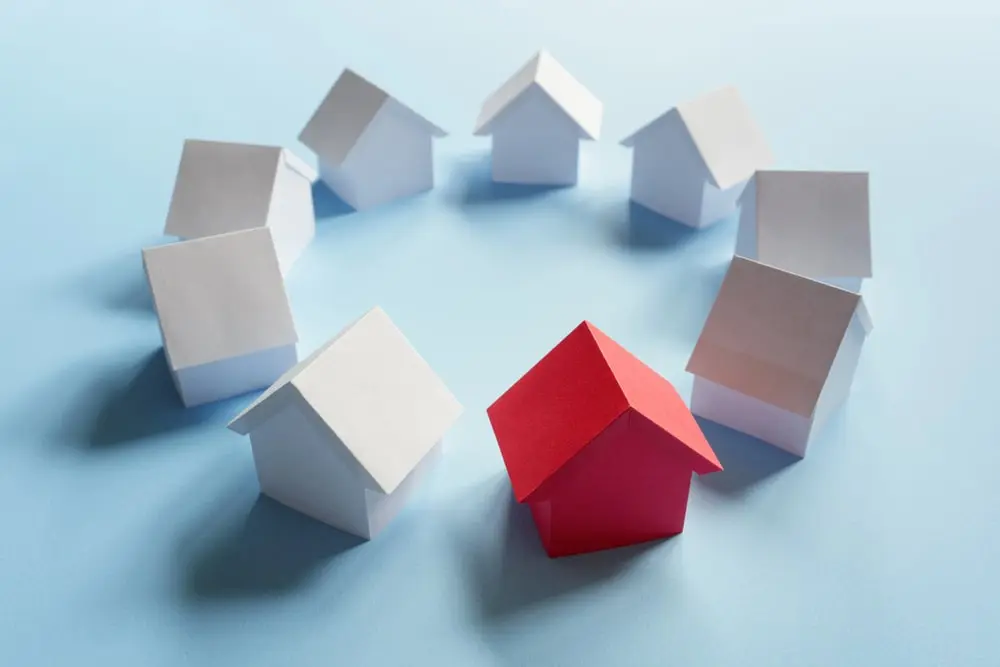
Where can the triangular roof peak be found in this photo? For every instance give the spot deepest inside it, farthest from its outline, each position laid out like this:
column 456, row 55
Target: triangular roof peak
column 726, row 136
column 573, row 394
column 345, row 113
column 372, row 392
column 544, row 71
column 655, row 398
column 773, row 335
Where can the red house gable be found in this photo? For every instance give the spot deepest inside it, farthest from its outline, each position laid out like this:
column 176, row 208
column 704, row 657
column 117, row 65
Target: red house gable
column 654, row 398
column 572, row 395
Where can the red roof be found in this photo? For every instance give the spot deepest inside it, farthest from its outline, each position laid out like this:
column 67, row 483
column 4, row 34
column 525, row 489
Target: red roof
column 571, row 395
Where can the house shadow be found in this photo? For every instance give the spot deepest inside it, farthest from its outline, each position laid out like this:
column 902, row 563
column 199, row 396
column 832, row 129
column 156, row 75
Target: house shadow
column 644, row 230
column 472, row 185
column 273, row 550
column 326, row 203
column 510, row 572
column 131, row 296
column 141, row 403
column 117, row 285
column 640, row 229
column 746, row 461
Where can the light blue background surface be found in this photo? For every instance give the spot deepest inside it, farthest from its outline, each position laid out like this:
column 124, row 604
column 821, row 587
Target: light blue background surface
column 131, row 529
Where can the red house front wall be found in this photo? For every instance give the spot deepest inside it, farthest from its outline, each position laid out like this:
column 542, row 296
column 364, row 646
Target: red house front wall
column 625, row 487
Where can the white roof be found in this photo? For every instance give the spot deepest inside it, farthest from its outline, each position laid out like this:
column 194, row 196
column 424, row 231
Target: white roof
column 773, row 335
column 543, row 70
column 225, row 187
column 373, row 392
column 344, row 115
column 813, row 223
column 728, row 139
column 219, row 297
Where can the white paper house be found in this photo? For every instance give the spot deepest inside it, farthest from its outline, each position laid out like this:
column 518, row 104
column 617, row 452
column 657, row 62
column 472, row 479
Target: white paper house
column 372, row 149
column 812, row 223
column 224, row 317
column 691, row 163
column 777, row 355
column 346, row 435
column 226, row 187
column 537, row 120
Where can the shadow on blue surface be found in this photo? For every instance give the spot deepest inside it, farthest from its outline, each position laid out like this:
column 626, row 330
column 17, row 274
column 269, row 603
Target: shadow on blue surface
column 646, row 230
column 131, row 296
column 512, row 572
column 746, row 461
column 326, row 204
column 273, row 550
column 472, row 185
column 142, row 404
column 118, row 285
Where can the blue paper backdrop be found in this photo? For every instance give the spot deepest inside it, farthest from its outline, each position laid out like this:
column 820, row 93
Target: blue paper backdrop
column 132, row 533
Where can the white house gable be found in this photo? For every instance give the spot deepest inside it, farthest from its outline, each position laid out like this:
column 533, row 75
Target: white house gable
column 346, row 434
column 371, row 147
column 752, row 416
column 534, row 141
column 379, row 396
column 777, row 353
column 291, row 209
column 543, row 71
column 691, row 164
column 838, row 383
column 342, row 117
column 393, row 158
column 307, row 470
column 668, row 175
column 383, row 508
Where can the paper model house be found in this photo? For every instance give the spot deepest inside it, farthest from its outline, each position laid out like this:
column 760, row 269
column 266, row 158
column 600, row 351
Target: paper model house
column 226, row 187
column 692, row 163
column 225, row 320
column 812, row 223
column 599, row 446
column 372, row 149
column 537, row 120
column 777, row 354
column 346, row 435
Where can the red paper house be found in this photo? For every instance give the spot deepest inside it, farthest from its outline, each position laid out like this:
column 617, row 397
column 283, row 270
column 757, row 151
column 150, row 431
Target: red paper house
column 600, row 446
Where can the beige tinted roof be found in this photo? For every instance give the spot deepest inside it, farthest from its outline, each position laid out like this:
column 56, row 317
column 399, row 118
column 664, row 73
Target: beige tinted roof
column 773, row 335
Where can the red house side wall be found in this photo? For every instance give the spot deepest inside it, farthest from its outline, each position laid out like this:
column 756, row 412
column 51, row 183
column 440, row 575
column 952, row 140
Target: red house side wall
column 626, row 487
